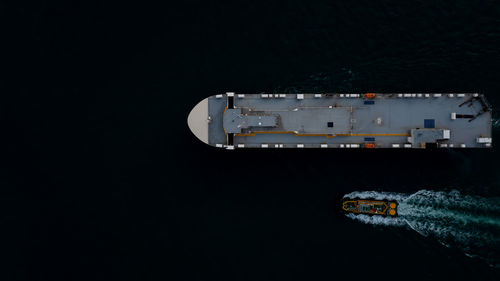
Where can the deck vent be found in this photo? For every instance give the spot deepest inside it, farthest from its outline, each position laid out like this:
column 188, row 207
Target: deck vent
column 431, row 145
column 369, row 102
column 369, row 139
column 429, row 123
column 230, row 102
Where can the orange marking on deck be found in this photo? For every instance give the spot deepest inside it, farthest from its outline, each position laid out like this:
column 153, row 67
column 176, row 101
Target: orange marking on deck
column 285, row 132
column 322, row 135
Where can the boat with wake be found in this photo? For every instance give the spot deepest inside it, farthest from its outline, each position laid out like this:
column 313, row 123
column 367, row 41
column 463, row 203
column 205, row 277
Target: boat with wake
column 370, row 207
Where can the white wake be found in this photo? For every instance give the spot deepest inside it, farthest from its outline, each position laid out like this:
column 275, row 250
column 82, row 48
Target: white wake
column 469, row 223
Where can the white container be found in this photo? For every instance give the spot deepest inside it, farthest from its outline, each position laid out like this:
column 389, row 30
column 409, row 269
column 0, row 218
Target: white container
column 483, row 140
column 446, row 134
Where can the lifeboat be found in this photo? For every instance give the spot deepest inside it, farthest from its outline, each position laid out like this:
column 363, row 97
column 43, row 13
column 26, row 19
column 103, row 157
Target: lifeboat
column 370, row 207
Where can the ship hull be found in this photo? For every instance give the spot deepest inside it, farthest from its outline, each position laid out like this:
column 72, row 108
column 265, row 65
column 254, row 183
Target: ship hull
column 370, row 207
column 369, row 120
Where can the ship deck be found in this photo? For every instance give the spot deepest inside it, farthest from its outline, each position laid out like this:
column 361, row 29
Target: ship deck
column 339, row 120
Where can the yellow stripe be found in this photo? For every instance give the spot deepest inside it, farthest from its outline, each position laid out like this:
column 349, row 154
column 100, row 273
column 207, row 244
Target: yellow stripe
column 320, row 135
column 284, row 132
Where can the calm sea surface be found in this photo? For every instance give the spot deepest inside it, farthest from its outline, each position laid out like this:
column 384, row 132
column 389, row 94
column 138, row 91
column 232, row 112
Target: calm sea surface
column 104, row 180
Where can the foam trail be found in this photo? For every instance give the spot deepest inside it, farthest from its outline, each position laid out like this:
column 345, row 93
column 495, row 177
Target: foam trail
column 377, row 195
column 378, row 220
column 495, row 123
column 469, row 223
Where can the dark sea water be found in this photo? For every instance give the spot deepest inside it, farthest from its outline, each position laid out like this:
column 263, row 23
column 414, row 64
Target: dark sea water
column 104, row 181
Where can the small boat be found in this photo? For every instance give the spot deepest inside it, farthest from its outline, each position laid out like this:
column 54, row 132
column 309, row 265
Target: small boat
column 370, row 207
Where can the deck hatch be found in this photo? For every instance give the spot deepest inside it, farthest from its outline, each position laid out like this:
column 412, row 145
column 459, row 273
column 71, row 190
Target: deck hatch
column 429, row 123
column 330, row 124
column 369, row 139
column 369, row 102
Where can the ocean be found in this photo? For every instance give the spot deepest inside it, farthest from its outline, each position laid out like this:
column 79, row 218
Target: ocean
column 104, row 181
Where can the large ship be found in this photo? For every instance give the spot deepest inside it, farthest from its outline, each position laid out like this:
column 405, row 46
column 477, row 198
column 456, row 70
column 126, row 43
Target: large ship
column 336, row 120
